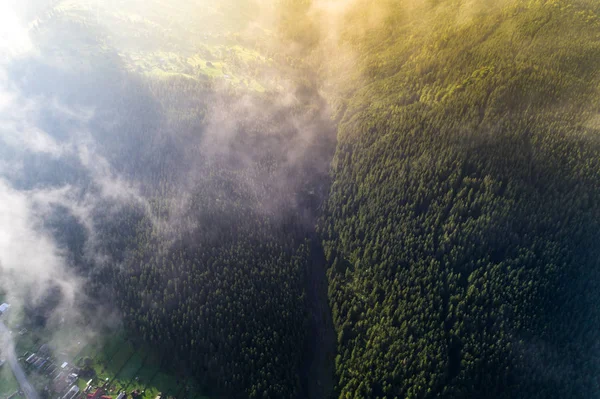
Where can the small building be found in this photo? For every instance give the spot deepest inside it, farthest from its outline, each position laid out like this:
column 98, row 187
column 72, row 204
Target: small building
column 40, row 363
column 60, row 386
column 96, row 395
column 122, row 395
column 45, row 350
column 72, row 378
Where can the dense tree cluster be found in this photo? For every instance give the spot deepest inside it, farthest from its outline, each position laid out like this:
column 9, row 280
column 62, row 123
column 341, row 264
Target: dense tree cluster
column 462, row 223
column 214, row 271
column 217, row 274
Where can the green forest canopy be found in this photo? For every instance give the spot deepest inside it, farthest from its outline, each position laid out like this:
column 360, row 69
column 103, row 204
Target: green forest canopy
column 462, row 222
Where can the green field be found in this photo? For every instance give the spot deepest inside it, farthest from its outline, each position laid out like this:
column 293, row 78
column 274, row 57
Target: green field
column 133, row 368
column 165, row 44
column 119, row 361
column 8, row 384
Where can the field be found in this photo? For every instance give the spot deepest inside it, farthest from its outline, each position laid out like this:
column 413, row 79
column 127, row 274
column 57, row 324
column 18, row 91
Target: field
column 156, row 41
column 130, row 368
column 8, row 384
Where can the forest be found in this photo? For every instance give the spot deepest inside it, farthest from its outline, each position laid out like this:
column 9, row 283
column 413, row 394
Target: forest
column 409, row 207
column 462, row 222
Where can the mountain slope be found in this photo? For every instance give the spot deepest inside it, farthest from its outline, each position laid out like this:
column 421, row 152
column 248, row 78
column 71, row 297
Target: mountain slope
column 460, row 229
column 463, row 218
column 190, row 198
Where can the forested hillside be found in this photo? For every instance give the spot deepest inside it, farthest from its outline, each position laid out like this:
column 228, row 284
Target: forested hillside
column 201, row 196
column 191, row 177
column 212, row 269
column 216, row 277
column 462, row 224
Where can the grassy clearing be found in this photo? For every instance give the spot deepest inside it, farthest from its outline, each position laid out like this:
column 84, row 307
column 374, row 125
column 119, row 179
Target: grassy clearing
column 90, row 350
column 164, row 46
column 166, row 383
column 133, row 368
column 130, row 370
column 8, row 383
column 122, row 356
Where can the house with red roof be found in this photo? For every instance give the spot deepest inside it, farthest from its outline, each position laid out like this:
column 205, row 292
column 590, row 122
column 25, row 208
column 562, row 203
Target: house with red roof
column 99, row 394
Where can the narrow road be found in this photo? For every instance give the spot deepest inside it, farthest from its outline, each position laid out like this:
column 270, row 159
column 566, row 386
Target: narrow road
column 8, row 351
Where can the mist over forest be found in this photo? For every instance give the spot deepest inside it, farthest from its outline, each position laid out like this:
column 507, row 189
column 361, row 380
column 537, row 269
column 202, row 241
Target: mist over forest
column 304, row 198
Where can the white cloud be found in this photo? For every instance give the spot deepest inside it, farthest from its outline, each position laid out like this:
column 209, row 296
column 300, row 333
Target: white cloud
column 18, row 123
column 30, row 261
column 14, row 37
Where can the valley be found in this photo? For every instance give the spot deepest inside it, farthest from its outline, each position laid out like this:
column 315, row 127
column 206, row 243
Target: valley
column 301, row 198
